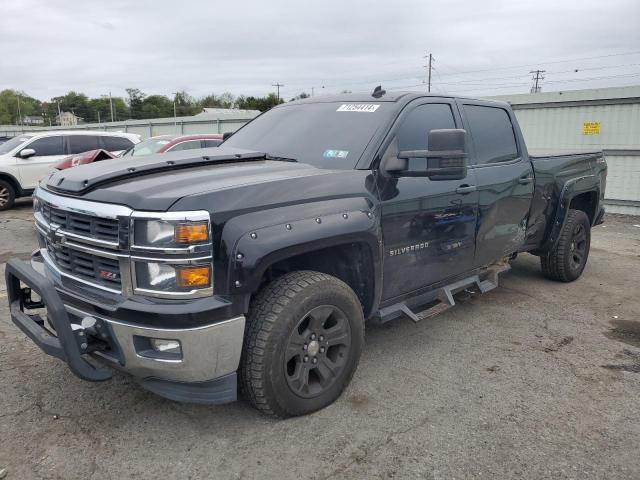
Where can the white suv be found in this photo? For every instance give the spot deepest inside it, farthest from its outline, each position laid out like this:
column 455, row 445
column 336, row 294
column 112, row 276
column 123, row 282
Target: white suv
column 26, row 158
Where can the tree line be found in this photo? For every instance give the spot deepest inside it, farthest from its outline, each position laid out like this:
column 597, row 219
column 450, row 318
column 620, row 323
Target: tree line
column 16, row 105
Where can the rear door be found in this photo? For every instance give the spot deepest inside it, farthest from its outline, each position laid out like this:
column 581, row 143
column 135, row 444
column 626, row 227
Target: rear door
column 48, row 151
column 428, row 226
column 504, row 177
column 82, row 143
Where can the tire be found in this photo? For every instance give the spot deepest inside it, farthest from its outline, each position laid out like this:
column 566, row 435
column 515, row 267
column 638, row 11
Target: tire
column 7, row 195
column 566, row 262
column 300, row 315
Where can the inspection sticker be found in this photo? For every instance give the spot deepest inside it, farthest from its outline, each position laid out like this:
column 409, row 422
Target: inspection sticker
column 335, row 153
column 358, row 107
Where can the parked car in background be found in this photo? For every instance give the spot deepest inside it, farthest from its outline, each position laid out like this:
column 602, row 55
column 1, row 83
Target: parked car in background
column 84, row 158
column 174, row 143
column 26, row 158
column 4, row 139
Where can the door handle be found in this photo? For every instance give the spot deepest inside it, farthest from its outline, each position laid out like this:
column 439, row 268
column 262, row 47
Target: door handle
column 525, row 180
column 463, row 189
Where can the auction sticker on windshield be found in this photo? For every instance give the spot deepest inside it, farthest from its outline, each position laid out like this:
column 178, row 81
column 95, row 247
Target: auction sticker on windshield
column 335, row 153
column 358, row 107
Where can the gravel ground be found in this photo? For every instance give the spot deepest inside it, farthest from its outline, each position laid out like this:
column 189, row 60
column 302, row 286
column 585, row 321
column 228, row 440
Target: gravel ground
column 535, row 380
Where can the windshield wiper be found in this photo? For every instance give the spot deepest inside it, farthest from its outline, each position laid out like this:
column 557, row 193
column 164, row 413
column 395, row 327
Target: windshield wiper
column 280, row 159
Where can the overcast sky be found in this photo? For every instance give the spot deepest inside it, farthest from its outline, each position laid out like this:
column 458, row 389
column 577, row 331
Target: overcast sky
column 48, row 47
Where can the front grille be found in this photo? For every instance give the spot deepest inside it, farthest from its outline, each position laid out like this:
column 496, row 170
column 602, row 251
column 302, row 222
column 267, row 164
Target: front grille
column 85, row 225
column 86, row 266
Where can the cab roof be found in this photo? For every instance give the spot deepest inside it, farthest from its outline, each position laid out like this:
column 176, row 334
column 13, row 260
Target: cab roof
column 403, row 97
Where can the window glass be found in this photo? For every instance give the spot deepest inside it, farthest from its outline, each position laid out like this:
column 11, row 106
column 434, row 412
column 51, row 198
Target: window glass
column 211, row 143
column 414, row 130
column 191, row 144
column 149, row 146
column 115, row 144
column 14, row 142
column 330, row 135
column 48, row 146
column 492, row 134
column 82, row 143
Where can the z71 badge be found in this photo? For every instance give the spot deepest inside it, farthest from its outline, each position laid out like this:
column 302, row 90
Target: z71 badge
column 107, row 275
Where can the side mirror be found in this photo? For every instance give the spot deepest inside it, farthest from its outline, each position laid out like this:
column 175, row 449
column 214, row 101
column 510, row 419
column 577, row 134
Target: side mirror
column 27, row 152
column 226, row 135
column 446, row 157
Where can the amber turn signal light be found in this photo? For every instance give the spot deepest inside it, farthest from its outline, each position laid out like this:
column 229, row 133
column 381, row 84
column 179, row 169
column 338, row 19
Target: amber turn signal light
column 193, row 276
column 191, row 233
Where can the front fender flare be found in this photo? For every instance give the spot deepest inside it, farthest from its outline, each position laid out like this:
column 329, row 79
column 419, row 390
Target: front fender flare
column 252, row 250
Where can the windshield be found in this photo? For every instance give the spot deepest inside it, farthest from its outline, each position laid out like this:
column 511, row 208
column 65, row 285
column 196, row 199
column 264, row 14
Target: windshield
column 9, row 145
column 325, row 135
column 149, row 146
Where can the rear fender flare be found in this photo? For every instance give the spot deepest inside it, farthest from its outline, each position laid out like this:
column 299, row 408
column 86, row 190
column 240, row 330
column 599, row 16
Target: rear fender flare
column 572, row 188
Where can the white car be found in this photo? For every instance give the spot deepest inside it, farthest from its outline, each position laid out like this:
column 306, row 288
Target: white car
column 27, row 158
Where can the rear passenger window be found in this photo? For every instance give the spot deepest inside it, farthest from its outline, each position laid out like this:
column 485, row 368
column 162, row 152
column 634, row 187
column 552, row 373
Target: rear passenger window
column 414, row 130
column 492, row 134
column 48, row 146
column 211, row 143
column 82, row 143
column 115, row 144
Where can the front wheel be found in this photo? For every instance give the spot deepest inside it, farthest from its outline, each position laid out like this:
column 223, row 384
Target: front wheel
column 7, row 195
column 567, row 260
column 304, row 338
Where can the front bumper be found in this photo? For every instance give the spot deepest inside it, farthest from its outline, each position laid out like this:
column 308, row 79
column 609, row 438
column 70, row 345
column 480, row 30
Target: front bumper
column 203, row 371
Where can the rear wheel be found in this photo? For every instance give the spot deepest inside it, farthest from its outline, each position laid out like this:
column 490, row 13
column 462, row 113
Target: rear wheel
column 303, row 342
column 7, row 195
column 567, row 260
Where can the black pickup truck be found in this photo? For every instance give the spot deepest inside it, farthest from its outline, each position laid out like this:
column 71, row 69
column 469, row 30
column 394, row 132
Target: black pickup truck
column 254, row 266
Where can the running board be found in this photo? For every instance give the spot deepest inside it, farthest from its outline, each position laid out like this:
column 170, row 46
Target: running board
column 442, row 299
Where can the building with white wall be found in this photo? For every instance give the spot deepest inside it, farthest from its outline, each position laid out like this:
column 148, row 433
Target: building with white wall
column 597, row 119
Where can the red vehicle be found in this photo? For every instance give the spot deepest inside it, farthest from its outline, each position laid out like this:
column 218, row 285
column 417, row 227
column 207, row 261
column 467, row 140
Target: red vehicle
column 159, row 144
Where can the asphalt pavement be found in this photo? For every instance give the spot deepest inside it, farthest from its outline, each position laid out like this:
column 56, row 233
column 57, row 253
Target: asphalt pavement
column 533, row 380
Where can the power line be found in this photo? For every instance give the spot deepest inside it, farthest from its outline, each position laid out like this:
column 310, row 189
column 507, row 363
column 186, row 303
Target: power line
column 554, row 62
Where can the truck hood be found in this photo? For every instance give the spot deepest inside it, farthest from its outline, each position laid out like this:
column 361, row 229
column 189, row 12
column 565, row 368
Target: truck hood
column 157, row 182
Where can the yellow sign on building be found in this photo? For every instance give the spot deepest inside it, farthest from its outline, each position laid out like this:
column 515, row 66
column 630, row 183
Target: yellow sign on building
column 591, row 128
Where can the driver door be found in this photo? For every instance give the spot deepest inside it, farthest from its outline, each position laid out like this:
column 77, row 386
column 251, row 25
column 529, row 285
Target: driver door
column 428, row 226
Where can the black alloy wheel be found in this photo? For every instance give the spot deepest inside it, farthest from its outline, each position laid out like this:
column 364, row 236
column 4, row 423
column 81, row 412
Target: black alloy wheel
column 317, row 350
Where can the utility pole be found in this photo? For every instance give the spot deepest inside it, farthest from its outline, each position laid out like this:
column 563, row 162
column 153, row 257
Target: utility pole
column 537, row 78
column 277, row 85
column 111, row 106
column 175, row 112
column 429, row 68
column 19, row 113
column 98, row 117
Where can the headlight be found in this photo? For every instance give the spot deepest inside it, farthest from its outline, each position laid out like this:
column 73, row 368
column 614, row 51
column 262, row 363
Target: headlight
column 179, row 233
column 178, row 278
column 36, row 204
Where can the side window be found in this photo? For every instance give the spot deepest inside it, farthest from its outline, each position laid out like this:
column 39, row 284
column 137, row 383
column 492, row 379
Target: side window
column 185, row 146
column 115, row 144
column 48, row 146
column 414, row 130
column 211, row 143
column 82, row 143
column 492, row 134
